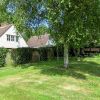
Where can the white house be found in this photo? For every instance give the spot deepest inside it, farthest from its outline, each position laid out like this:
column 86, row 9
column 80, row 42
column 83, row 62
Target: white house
column 10, row 38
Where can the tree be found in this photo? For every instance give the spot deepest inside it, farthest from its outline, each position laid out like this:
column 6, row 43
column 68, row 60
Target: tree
column 74, row 22
column 71, row 22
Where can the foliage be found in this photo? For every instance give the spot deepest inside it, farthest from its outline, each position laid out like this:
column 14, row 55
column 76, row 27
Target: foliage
column 21, row 55
column 72, row 23
column 3, row 53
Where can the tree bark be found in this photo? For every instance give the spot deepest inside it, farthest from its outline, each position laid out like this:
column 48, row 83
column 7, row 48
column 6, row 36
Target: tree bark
column 66, row 60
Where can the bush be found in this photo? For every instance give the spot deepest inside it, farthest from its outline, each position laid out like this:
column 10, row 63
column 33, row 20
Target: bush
column 3, row 53
column 21, row 55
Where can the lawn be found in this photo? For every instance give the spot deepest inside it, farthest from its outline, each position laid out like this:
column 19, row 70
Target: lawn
column 49, row 81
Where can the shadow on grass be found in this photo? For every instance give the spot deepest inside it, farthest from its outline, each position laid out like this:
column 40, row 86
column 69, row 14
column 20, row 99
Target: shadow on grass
column 76, row 69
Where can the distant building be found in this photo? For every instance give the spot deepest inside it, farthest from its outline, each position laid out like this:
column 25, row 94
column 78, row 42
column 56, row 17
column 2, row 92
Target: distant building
column 40, row 41
column 46, row 43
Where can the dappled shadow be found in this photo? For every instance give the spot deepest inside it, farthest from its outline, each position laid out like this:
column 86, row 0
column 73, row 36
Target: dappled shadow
column 63, row 72
column 76, row 69
column 87, row 67
column 23, row 66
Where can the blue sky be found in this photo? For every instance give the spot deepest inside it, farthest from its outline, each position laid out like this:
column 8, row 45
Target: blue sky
column 11, row 8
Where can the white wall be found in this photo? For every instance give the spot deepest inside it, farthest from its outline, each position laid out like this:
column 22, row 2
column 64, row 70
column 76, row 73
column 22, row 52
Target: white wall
column 50, row 42
column 12, row 44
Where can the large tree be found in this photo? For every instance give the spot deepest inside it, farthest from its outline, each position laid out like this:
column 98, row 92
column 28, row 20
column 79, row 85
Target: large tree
column 74, row 22
column 71, row 22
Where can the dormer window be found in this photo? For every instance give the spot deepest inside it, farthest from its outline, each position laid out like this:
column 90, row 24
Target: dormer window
column 17, row 37
column 8, row 37
column 12, row 38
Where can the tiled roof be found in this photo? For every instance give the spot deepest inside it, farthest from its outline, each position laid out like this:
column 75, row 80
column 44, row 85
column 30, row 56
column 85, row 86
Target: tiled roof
column 38, row 41
column 3, row 29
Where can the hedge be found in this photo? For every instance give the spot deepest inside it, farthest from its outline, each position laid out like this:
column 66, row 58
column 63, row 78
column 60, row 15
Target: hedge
column 3, row 53
column 21, row 55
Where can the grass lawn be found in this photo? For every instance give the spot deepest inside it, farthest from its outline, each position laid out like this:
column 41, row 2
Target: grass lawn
column 49, row 81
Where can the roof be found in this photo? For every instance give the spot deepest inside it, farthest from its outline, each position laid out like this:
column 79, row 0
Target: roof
column 3, row 29
column 38, row 41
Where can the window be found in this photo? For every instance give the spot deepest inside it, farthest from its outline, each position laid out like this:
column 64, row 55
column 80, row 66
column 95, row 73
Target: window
column 12, row 38
column 8, row 37
column 17, row 38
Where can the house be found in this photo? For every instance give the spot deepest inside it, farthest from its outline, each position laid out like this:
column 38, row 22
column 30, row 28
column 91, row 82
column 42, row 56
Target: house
column 43, row 47
column 40, row 41
column 10, row 38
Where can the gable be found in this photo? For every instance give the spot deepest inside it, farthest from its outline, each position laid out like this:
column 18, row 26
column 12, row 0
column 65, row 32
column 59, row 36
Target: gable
column 10, row 38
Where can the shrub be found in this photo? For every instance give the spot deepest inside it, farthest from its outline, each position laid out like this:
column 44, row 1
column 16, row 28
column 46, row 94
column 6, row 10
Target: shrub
column 21, row 55
column 3, row 53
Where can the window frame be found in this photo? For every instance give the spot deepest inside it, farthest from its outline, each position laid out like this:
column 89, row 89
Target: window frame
column 17, row 38
column 12, row 38
column 8, row 37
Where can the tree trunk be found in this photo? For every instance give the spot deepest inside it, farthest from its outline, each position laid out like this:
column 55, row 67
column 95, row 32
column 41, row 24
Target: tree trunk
column 78, row 54
column 57, row 53
column 66, row 61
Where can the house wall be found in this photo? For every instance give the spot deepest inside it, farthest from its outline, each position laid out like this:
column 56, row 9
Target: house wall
column 12, row 44
column 50, row 43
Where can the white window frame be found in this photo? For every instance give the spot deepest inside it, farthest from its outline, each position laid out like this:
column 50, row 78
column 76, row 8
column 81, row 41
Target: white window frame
column 8, row 37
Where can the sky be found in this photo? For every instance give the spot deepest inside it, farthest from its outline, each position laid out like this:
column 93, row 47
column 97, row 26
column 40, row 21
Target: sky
column 11, row 8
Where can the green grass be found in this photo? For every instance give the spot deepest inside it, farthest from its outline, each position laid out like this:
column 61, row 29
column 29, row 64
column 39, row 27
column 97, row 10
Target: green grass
column 49, row 81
